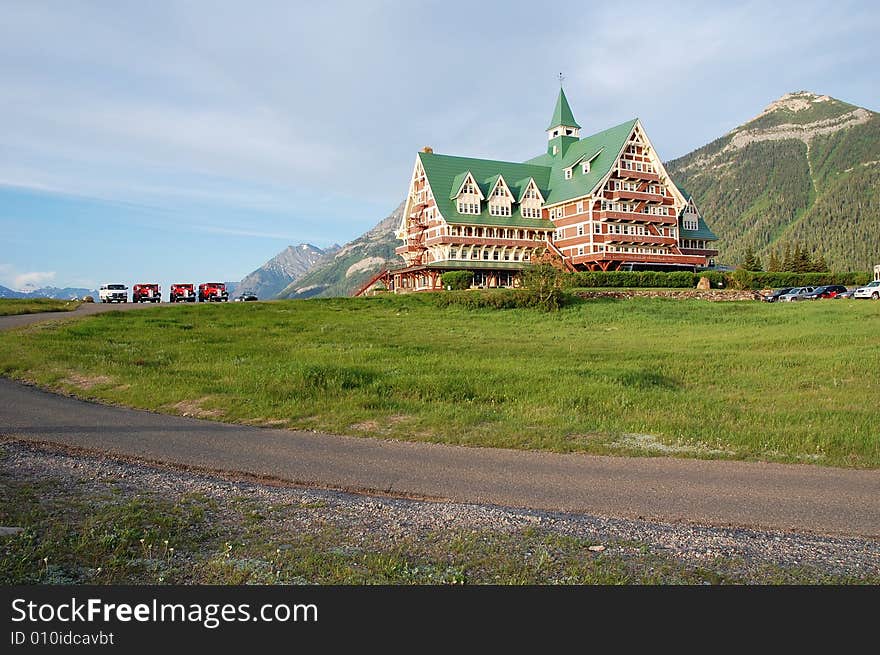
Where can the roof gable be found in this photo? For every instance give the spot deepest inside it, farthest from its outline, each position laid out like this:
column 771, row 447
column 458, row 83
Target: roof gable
column 446, row 175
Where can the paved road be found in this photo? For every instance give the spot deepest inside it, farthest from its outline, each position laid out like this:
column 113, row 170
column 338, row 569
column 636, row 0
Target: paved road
column 86, row 309
column 834, row 501
column 777, row 496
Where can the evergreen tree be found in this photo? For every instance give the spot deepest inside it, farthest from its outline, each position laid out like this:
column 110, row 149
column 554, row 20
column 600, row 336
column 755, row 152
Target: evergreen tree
column 787, row 260
column 819, row 265
column 801, row 259
column 750, row 261
column 774, row 265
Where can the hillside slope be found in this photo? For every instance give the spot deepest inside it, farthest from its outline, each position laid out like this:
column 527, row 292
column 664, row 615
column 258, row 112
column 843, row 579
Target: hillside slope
column 341, row 272
column 806, row 169
column 284, row 268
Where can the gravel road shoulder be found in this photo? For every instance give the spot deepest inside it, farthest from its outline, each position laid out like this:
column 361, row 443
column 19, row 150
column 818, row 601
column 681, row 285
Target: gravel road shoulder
column 366, row 524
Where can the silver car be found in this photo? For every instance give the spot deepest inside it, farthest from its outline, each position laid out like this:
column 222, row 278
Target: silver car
column 870, row 290
column 796, row 294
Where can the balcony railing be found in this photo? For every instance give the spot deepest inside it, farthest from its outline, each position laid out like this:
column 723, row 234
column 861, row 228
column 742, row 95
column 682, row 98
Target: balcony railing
column 632, row 173
column 641, row 217
column 483, row 241
column 640, row 238
column 623, row 194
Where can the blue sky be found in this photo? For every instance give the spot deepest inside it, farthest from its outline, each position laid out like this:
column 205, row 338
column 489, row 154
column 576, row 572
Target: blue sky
column 194, row 140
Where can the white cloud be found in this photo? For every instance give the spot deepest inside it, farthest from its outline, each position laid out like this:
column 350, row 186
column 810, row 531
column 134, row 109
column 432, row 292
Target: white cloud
column 33, row 280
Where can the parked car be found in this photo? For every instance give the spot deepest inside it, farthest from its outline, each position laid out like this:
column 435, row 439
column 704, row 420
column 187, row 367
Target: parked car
column 113, row 293
column 247, row 296
column 795, row 294
column 146, row 292
column 829, row 291
column 182, row 292
column 213, row 292
column 774, row 295
column 845, row 294
column 870, row 290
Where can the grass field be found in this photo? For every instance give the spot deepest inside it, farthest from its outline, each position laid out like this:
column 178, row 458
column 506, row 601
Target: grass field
column 14, row 306
column 796, row 382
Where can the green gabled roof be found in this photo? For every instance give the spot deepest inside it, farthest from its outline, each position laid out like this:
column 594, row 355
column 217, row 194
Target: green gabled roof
column 490, row 184
column 702, row 231
column 521, row 186
column 562, row 114
column 446, row 173
column 607, row 144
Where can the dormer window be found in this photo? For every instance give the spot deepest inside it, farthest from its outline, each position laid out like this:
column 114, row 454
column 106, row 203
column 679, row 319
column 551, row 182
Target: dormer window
column 468, row 207
column 530, row 201
column 567, row 173
column 690, row 220
column 585, row 167
column 468, row 196
column 500, row 199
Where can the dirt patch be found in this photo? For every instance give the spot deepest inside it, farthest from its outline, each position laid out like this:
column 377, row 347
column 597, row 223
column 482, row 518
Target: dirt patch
column 366, row 426
column 651, row 444
column 85, row 382
column 382, row 426
column 194, row 408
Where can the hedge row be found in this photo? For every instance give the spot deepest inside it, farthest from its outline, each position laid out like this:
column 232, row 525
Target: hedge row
column 774, row 280
column 678, row 279
column 739, row 279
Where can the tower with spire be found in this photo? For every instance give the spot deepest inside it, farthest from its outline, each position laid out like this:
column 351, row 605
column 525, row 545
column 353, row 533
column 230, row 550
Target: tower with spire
column 563, row 129
column 597, row 202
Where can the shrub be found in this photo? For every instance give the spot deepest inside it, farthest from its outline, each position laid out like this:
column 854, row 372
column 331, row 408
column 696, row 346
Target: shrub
column 457, row 280
column 544, row 281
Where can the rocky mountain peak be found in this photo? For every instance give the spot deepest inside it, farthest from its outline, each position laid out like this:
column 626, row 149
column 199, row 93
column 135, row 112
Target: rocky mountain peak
column 287, row 266
column 796, row 101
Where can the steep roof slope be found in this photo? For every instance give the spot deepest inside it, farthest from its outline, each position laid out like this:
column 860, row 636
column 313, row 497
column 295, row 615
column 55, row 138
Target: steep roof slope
column 446, row 173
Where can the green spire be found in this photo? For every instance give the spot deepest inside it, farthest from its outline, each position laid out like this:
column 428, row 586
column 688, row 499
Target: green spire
column 562, row 114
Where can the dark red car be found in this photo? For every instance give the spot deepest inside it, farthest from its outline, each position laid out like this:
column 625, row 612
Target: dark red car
column 828, row 291
column 149, row 292
column 213, row 292
column 183, row 292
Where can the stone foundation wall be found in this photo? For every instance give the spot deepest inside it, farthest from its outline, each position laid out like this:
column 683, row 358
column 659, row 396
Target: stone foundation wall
column 712, row 295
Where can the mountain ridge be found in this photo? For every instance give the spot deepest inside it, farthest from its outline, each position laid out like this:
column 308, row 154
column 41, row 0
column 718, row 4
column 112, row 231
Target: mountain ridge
column 283, row 269
column 804, row 169
column 341, row 272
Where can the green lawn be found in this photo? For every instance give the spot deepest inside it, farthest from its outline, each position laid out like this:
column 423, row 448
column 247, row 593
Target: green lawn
column 792, row 382
column 12, row 306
